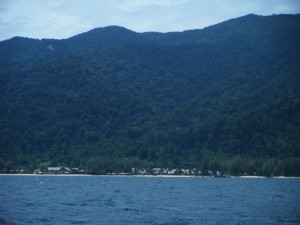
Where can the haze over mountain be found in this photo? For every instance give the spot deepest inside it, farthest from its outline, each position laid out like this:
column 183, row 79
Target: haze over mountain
column 224, row 98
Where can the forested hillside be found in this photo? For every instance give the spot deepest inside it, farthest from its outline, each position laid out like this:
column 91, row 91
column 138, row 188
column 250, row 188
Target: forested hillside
column 223, row 98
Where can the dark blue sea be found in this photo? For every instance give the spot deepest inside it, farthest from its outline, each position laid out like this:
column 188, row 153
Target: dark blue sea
column 96, row 200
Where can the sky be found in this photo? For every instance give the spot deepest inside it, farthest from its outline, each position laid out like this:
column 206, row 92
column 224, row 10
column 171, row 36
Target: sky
column 61, row 19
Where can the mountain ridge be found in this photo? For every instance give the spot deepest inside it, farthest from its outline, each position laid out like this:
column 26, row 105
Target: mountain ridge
column 224, row 97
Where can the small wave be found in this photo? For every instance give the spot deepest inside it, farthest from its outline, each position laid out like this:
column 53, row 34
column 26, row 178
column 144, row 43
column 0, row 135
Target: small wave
column 68, row 204
column 278, row 196
column 286, row 221
column 7, row 221
column 79, row 222
column 44, row 220
column 212, row 208
column 174, row 223
column 88, row 200
column 29, row 204
column 177, row 221
column 131, row 209
column 110, row 202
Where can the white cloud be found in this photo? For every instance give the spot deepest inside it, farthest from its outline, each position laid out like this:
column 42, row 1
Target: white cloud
column 135, row 5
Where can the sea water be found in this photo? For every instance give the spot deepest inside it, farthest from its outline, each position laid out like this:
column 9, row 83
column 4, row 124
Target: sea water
column 97, row 200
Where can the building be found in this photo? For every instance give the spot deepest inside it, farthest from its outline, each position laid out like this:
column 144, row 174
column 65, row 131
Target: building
column 59, row 170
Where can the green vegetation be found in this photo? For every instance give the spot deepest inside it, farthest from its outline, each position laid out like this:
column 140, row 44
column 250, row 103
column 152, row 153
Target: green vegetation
column 223, row 98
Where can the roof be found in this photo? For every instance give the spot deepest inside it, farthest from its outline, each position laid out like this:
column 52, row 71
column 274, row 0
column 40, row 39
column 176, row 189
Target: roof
column 58, row 168
column 54, row 168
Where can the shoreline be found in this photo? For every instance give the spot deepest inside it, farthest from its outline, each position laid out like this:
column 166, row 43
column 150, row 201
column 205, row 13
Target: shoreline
column 44, row 175
column 130, row 175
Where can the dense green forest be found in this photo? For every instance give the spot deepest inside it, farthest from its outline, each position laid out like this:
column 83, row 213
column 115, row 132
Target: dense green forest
column 223, row 98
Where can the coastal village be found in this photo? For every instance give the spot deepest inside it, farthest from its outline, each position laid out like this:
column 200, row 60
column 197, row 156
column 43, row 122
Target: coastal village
column 134, row 171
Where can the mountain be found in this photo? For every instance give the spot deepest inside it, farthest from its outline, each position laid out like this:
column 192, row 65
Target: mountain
column 226, row 98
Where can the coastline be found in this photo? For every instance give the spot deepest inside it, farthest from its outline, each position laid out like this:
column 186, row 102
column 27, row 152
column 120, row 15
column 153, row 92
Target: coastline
column 44, row 175
column 130, row 175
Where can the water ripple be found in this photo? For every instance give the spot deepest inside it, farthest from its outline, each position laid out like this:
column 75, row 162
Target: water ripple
column 144, row 201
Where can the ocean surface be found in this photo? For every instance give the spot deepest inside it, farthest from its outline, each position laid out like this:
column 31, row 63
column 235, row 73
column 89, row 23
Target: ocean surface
column 96, row 200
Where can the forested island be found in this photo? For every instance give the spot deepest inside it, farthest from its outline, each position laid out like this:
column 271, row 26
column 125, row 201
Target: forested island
column 224, row 98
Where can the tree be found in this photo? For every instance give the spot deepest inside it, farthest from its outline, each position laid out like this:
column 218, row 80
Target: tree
column 236, row 166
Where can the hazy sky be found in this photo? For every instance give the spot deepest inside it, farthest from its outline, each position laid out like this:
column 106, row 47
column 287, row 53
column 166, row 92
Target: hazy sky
column 65, row 18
